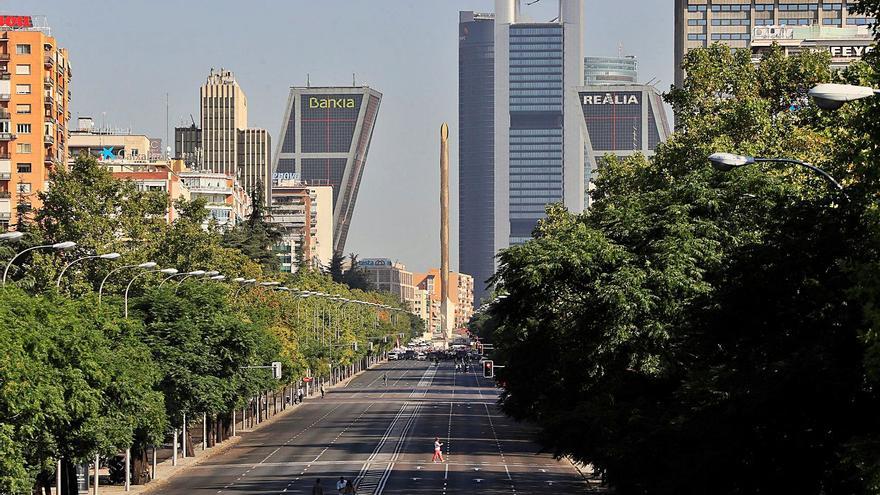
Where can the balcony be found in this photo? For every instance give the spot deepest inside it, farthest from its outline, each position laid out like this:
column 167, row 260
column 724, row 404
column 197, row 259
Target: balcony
column 48, row 100
column 6, row 136
column 47, row 139
column 49, row 61
column 5, row 76
column 48, row 81
column 4, row 96
column 4, row 57
column 5, row 169
column 4, row 114
column 5, row 206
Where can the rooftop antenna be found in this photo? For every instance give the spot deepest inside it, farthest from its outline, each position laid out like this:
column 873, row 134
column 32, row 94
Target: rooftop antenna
column 352, row 80
column 166, row 117
column 620, row 49
column 308, row 80
column 193, row 120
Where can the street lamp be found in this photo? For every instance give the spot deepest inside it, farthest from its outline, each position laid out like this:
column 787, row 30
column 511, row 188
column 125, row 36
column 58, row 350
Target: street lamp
column 243, row 283
column 833, row 96
column 58, row 246
column 218, row 277
column 108, row 256
column 725, row 162
column 148, row 264
column 194, row 273
column 270, row 284
column 11, row 236
column 168, row 271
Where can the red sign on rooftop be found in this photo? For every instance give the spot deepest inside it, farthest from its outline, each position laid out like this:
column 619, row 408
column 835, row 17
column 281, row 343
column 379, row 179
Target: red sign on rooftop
column 16, row 21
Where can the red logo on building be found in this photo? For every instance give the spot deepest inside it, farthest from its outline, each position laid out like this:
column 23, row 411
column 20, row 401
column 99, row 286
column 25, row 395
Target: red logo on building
column 16, row 21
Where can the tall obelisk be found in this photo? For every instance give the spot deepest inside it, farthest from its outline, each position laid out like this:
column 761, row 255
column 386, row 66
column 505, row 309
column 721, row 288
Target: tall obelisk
column 444, row 231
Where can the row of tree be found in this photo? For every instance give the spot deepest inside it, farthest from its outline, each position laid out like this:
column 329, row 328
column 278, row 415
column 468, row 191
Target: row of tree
column 712, row 332
column 78, row 378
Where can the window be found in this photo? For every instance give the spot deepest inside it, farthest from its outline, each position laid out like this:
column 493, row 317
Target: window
column 23, row 108
column 23, row 187
column 23, row 148
column 24, row 168
column 22, row 89
column 23, row 69
column 134, row 152
column 23, row 128
column 23, row 49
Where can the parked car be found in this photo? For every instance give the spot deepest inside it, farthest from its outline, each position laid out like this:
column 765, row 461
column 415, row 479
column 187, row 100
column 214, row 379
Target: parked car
column 421, row 356
column 393, row 356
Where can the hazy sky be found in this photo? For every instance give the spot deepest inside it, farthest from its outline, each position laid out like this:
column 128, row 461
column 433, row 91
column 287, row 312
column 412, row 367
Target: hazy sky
column 127, row 54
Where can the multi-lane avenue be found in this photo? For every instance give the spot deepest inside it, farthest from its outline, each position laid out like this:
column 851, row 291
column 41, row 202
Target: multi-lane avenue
column 382, row 436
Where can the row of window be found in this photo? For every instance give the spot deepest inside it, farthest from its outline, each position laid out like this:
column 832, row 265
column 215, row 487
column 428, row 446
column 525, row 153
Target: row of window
column 531, row 73
column 767, row 7
column 536, row 132
column 730, row 22
column 514, row 39
column 731, row 36
column 548, row 55
column 535, row 147
column 536, row 139
column 521, row 31
column 535, row 46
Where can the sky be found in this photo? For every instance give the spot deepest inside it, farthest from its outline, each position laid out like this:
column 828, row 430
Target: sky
column 127, row 55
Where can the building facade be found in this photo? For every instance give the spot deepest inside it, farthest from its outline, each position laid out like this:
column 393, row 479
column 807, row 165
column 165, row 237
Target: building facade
column 157, row 175
column 461, row 297
column 392, row 277
column 223, row 108
column 188, row 145
column 611, row 70
column 107, row 143
column 304, row 216
column 254, row 163
column 476, row 146
column 699, row 23
column 324, row 141
column 35, row 95
column 226, row 201
column 843, row 43
column 539, row 144
column 620, row 120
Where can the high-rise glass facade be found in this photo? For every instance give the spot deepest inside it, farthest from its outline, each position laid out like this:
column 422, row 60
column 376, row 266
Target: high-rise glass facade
column 476, row 138
column 536, row 124
column 325, row 137
column 611, row 70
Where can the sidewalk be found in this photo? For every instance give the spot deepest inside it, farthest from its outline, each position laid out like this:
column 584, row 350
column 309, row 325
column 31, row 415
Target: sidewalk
column 165, row 471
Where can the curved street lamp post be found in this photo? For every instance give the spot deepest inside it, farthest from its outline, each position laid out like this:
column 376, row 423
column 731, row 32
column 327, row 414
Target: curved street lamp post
column 108, row 256
column 58, row 246
column 169, row 271
column 148, row 264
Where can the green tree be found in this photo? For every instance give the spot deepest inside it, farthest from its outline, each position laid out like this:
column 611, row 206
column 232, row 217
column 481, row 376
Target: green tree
column 708, row 330
column 257, row 236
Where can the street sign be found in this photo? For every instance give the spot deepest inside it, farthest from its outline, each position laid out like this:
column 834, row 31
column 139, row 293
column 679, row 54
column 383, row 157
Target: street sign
column 488, row 369
column 308, row 379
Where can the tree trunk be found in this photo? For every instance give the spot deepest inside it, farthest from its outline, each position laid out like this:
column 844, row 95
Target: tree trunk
column 68, row 478
column 190, row 451
column 140, row 466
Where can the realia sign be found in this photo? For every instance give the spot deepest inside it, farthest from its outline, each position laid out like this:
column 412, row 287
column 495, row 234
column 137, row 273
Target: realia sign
column 16, row 21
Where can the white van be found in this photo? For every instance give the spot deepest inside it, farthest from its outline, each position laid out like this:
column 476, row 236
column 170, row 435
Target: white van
column 393, row 356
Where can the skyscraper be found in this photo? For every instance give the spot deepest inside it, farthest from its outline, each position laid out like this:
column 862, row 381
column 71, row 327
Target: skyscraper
column 228, row 146
column 539, row 146
column 611, row 70
column 536, row 128
column 223, row 113
column 793, row 25
column 324, row 140
column 476, row 148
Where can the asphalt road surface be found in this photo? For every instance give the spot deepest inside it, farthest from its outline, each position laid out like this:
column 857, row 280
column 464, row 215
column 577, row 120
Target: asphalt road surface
column 383, row 437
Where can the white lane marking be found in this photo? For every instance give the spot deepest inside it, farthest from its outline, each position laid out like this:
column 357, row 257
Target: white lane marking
column 500, row 451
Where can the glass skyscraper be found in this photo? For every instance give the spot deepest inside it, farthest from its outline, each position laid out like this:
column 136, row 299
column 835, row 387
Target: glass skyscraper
column 325, row 137
column 521, row 144
column 476, row 153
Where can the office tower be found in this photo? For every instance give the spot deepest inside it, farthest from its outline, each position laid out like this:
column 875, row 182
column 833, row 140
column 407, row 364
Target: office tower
column 254, row 163
column 324, row 141
column 223, row 113
column 621, row 120
column 476, row 147
column 228, row 146
column 34, row 112
column 611, row 70
column 304, row 216
column 539, row 145
column 805, row 24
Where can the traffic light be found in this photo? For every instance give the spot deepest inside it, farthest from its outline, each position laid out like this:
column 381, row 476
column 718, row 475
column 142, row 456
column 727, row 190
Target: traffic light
column 480, row 348
column 276, row 370
column 488, row 369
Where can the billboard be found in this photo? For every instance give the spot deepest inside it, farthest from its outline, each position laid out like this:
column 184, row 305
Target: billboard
column 328, row 122
column 155, row 149
column 372, row 262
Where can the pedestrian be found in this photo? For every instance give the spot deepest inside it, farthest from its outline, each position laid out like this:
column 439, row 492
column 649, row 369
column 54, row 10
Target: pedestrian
column 385, row 379
column 322, row 391
column 317, row 489
column 340, row 485
column 300, row 396
column 349, row 488
column 438, row 450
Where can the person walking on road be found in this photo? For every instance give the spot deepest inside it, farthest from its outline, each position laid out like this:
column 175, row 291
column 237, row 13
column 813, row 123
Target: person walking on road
column 340, row 485
column 438, row 450
column 322, row 391
column 349, row 488
column 300, row 396
column 385, row 379
column 317, row 489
